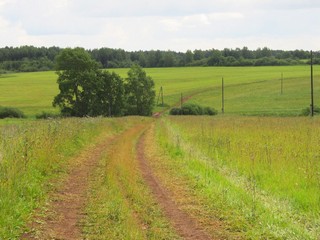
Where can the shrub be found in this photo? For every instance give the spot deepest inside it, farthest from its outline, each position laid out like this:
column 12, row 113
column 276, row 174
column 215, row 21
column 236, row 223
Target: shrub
column 175, row 111
column 47, row 115
column 193, row 109
column 209, row 111
column 9, row 112
column 307, row 111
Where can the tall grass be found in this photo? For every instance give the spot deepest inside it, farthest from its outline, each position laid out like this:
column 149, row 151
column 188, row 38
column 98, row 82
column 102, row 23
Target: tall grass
column 261, row 174
column 32, row 154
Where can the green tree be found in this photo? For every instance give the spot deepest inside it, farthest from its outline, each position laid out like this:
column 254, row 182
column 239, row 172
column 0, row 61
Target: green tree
column 189, row 57
column 216, row 59
column 109, row 100
column 198, row 55
column 77, row 73
column 139, row 89
column 168, row 59
column 246, row 53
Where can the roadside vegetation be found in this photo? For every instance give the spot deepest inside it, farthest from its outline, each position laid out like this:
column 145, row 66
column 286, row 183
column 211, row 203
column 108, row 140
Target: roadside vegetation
column 259, row 175
column 33, row 156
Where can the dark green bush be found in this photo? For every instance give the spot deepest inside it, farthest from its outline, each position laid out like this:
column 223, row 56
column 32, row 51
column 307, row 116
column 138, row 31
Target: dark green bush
column 193, row 109
column 47, row 115
column 209, row 111
column 307, row 111
column 9, row 112
column 175, row 111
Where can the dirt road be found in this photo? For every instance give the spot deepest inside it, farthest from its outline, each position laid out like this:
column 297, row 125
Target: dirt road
column 65, row 211
column 186, row 227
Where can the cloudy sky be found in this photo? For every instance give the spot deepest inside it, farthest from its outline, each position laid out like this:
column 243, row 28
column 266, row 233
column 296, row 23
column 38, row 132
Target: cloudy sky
column 161, row 24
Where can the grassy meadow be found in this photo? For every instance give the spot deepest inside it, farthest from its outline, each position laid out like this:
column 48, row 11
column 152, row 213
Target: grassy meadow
column 30, row 92
column 258, row 175
column 248, row 90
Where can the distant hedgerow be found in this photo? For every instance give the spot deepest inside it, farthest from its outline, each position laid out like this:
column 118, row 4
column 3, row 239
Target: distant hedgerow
column 193, row 109
column 9, row 112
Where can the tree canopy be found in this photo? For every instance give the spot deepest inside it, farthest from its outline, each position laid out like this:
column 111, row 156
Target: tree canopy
column 85, row 90
column 29, row 58
column 140, row 92
column 77, row 74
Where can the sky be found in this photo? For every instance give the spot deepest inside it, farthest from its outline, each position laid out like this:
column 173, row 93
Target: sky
column 177, row 25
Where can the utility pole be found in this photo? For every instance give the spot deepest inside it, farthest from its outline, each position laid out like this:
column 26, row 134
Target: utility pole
column 281, row 83
column 312, row 101
column 222, row 89
column 162, row 96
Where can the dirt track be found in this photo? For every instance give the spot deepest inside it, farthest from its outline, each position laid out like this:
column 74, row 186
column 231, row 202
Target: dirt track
column 61, row 220
column 65, row 211
column 185, row 226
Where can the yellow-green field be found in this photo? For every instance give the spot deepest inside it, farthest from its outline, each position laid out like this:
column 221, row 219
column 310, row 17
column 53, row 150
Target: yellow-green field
column 30, row 92
column 248, row 90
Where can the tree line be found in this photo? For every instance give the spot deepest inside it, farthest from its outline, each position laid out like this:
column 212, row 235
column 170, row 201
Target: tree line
column 30, row 58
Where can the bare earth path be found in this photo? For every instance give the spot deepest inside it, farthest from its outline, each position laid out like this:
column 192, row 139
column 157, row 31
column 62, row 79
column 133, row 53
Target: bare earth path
column 65, row 209
column 185, row 226
column 61, row 220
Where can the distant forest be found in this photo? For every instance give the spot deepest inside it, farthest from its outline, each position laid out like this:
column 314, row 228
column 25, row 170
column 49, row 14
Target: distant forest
column 31, row 59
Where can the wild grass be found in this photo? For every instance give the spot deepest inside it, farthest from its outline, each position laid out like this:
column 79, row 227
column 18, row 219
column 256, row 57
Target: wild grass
column 32, row 155
column 260, row 174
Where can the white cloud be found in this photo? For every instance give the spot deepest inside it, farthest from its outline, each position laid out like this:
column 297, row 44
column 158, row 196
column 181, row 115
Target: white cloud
column 150, row 24
column 171, row 24
column 174, row 24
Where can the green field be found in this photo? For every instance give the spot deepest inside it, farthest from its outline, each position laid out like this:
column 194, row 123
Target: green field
column 30, row 92
column 248, row 90
column 239, row 177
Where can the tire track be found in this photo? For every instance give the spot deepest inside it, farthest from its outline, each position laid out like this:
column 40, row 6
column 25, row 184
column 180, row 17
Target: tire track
column 61, row 220
column 185, row 226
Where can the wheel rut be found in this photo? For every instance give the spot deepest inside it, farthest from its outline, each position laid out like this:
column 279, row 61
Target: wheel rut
column 65, row 210
column 184, row 224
